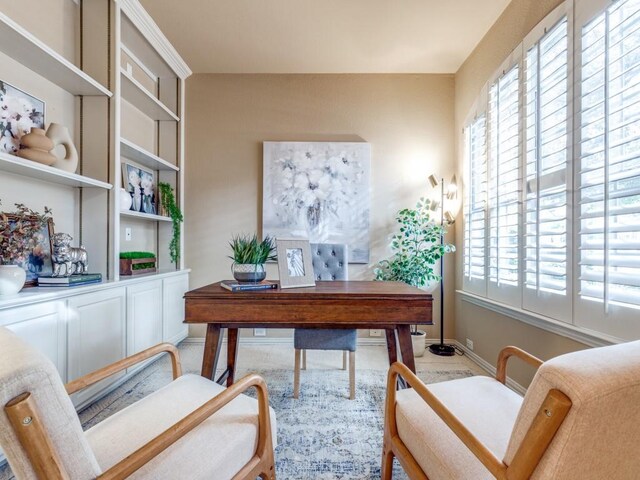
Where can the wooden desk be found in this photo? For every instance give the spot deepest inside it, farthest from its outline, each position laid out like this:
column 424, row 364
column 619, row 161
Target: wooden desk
column 389, row 306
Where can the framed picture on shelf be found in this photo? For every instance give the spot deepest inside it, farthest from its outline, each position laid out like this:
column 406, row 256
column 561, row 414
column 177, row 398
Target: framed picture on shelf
column 140, row 183
column 31, row 250
column 294, row 263
column 20, row 113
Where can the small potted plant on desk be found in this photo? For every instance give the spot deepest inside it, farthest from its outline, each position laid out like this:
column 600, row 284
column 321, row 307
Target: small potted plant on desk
column 416, row 249
column 249, row 257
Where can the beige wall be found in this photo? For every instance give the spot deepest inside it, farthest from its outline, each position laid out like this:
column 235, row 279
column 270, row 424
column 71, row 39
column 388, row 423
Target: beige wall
column 407, row 119
column 488, row 330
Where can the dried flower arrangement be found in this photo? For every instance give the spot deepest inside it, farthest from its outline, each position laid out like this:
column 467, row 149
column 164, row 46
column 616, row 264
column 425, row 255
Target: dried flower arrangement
column 19, row 234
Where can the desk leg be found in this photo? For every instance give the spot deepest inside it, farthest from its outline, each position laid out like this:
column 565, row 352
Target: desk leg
column 392, row 350
column 212, row 345
column 406, row 347
column 232, row 354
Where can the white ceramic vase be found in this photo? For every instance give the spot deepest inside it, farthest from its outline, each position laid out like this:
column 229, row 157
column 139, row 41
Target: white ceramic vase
column 60, row 135
column 419, row 343
column 12, row 278
column 125, row 200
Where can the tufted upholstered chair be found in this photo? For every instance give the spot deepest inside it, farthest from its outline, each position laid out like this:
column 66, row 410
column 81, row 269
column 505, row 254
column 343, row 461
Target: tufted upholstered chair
column 579, row 420
column 330, row 262
column 191, row 428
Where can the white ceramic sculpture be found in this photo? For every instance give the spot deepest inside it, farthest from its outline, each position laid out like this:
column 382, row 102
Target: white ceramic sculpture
column 60, row 135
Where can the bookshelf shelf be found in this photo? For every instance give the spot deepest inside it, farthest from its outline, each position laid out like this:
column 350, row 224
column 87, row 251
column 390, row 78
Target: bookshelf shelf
column 145, row 216
column 138, row 154
column 143, row 100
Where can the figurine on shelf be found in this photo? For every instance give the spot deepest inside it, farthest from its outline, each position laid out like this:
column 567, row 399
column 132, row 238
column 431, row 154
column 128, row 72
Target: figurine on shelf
column 59, row 135
column 73, row 259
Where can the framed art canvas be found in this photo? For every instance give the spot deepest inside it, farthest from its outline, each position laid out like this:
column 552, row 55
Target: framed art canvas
column 140, row 183
column 295, row 266
column 19, row 113
column 319, row 191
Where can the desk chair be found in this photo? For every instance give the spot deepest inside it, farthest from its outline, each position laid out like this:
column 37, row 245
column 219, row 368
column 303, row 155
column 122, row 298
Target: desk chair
column 191, row 428
column 330, row 262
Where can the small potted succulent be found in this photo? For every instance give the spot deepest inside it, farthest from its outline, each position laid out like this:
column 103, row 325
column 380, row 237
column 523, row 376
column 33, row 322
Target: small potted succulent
column 416, row 249
column 249, row 257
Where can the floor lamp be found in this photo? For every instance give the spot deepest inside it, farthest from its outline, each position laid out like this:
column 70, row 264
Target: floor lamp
column 446, row 218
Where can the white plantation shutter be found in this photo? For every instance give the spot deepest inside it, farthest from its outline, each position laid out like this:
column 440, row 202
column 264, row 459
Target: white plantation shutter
column 504, row 187
column 475, row 204
column 609, row 169
column 547, row 153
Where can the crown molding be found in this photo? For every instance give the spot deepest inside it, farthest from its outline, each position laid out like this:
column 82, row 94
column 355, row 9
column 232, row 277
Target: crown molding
column 145, row 24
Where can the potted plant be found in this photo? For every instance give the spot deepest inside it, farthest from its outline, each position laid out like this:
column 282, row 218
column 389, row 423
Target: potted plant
column 249, row 257
column 18, row 241
column 416, row 249
column 168, row 205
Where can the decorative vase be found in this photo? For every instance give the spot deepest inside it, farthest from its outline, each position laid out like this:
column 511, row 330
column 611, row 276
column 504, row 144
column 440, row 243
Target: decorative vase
column 248, row 272
column 59, row 135
column 36, row 146
column 125, row 200
column 418, row 339
column 12, row 278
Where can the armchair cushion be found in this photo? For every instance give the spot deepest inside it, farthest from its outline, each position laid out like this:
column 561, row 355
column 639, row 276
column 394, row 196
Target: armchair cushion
column 218, row 448
column 484, row 405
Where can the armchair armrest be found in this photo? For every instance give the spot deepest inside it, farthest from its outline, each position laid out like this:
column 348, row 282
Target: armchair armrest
column 101, row 374
column 506, row 353
column 155, row 446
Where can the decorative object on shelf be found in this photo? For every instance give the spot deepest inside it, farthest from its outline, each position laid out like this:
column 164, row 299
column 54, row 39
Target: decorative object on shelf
column 319, row 190
column 19, row 113
column 140, row 184
column 59, row 135
column 249, row 257
column 137, row 263
column 70, row 281
column 36, row 146
column 295, row 264
column 25, row 241
column 416, row 248
column 168, row 203
column 125, row 200
column 12, row 278
column 68, row 260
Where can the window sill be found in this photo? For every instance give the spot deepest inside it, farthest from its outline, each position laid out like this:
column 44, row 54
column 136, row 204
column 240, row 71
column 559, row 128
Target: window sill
column 582, row 335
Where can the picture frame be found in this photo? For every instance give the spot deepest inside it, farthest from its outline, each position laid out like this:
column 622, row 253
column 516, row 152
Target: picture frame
column 21, row 113
column 295, row 266
column 140, row 183
column 35, row 255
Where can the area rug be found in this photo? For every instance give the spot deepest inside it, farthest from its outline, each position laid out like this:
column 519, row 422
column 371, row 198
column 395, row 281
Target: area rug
column 322, row 435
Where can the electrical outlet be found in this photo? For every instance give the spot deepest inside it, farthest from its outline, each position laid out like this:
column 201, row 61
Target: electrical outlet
column 127, row 234
column 470, row 344
column 375, row 333
column 259, row 332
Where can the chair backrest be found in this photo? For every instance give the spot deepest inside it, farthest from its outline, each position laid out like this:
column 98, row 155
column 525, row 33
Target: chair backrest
column 600, row 435
column 24, row 369
column 330, row 261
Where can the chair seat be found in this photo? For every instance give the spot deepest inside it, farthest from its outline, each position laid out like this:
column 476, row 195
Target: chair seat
column 218, row 448
column 325, row 339
column 482, row 404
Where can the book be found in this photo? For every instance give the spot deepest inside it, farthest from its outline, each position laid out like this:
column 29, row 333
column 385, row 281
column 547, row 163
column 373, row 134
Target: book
column 68, row 285
column 49, row 281
column 235, row 286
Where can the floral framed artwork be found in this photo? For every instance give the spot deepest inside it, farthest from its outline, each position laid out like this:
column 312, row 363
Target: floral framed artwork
column 26, row 242
column 141, row 185
column 19, row 113
column 319, row 191
column 295, row 265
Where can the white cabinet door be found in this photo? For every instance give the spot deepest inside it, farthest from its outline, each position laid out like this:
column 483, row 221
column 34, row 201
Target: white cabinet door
column 43, row 326
column 144, row 316
column 97, row 336
column 173, row 290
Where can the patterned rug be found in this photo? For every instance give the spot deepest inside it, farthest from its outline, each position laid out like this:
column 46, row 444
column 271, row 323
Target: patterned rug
column 322, row 435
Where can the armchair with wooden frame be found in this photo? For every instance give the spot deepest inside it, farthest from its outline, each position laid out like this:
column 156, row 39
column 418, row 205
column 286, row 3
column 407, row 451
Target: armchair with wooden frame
column 579, row 420
column 191, row 428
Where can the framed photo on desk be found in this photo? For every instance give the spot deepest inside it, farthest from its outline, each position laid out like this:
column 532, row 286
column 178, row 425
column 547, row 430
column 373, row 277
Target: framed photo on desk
column 295, row 267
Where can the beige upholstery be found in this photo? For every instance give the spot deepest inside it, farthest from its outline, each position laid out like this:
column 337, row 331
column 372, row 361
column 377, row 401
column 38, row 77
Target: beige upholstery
column 217, row 448
column 482, row 404
column 599, row 438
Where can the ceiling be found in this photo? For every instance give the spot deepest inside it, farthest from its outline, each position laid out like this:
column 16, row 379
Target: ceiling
column 325, row 36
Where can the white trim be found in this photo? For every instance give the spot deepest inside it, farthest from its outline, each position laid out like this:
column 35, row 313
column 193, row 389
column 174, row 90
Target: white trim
column 582, row 335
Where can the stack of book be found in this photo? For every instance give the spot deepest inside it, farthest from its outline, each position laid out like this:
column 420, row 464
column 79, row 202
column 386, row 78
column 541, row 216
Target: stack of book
column 235, row 286
column 72, row 281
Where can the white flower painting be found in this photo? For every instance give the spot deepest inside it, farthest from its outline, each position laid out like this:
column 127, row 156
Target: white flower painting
column 320, row 191
column 19, row 113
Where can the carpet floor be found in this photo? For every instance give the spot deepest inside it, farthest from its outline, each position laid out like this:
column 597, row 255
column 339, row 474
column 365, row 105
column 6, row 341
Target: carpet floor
column 322, row 435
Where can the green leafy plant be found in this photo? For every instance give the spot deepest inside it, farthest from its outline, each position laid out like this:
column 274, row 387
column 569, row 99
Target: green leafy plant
column 249, row 250
column 168, row 201
column 416, row 248
column 135, row 254
column 19, row 231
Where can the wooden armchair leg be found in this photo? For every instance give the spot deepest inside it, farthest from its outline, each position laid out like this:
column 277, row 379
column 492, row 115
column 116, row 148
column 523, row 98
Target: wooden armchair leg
column 387, row 462
column 296, row 374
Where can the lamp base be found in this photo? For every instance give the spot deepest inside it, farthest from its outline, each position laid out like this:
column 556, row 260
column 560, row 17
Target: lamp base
column 442, row 349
